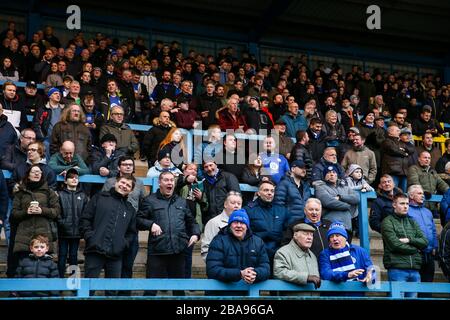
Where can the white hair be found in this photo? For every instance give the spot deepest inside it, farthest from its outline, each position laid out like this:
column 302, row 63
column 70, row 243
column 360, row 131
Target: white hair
column 314, row 200
column 414, row 188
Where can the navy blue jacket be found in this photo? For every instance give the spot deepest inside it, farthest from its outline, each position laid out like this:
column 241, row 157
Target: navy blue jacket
column 267, row 221
column 227, row 256
column 319, row 167
column 381, row 208
column 8, row 135
column 445, row 208
column 3, row 197
column 288, row 195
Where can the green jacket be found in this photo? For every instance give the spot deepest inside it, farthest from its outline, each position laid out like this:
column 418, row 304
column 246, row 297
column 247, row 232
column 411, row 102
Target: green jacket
column 29, row 225
column 58, row 164
column 397, row 254
column 428, row 178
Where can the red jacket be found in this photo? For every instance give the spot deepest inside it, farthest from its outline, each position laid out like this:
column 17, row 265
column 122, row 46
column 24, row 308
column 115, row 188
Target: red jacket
column 185, row 119
column 226, row 120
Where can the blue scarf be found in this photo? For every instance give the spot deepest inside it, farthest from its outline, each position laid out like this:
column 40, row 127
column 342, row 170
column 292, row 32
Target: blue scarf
column 341, row 260
column 317, row 224
column 212, row 180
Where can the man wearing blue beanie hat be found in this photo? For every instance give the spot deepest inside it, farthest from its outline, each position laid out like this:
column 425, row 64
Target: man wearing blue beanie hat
column 343, row 261
column 52, row 91
column 240, row 216
column 337, row 228
column 249, row 263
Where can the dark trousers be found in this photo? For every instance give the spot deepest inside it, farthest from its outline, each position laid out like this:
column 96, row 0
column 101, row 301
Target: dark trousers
column 67, row 247
column 166, row 266
column 128, row 262
column 95, row 263
column 128, row 258
column 427, row 270
column 188, row 261
column 12, row 259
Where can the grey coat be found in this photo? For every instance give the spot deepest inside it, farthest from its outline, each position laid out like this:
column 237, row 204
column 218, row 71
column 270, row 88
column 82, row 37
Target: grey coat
column 337, row 210
column 294, row 265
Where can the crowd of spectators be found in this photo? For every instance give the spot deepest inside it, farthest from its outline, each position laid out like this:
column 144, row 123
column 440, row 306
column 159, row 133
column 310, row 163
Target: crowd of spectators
column 339, row 133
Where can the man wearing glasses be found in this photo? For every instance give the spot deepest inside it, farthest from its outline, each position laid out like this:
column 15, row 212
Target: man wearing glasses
column 126, row 140
column 15, row 154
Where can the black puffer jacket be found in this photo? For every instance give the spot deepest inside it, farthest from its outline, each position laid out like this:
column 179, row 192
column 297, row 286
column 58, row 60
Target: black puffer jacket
column 108, row 224
column 72, row 205
column 34, row 267
column 381, row 208
column 175, row 219
column 37, row 267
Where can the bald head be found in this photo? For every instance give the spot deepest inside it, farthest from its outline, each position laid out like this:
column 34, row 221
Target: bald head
column 67, row 151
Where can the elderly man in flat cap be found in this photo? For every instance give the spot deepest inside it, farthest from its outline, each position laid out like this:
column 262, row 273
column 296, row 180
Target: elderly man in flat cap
column 295, row 262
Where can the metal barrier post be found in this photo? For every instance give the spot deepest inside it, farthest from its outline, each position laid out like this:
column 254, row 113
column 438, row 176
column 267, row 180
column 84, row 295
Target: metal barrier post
column 83, row 290
column 395, row 290
column 189, row 144
column 363, row 219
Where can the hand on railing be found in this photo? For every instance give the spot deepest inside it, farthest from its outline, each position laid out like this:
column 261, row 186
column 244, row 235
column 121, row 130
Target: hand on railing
column 315, row 280
column 248, row 275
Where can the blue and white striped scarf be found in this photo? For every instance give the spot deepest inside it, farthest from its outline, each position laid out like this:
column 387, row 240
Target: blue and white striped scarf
column 341, row 260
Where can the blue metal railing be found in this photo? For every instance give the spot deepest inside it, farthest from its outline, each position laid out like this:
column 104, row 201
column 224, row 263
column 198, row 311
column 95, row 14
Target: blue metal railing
column 21, row 84
column 82, row 286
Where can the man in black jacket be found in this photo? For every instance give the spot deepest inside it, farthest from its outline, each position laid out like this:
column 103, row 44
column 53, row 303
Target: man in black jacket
column 172, row 228
column 217, row 184
column 108, row 225
column 155, row 135
column 382, row 206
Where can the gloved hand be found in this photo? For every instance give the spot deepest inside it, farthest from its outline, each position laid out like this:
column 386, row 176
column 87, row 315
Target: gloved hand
column 314, row 279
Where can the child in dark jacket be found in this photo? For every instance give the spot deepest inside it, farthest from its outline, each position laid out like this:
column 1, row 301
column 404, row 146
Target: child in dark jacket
column 73, row 201
column 38, row 264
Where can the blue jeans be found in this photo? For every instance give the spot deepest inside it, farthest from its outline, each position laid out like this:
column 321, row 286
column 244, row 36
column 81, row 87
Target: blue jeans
column 401, row 182
column 406, row 275
column 67, row 247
